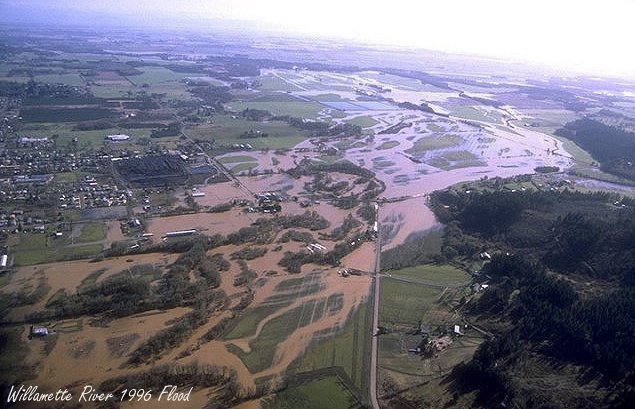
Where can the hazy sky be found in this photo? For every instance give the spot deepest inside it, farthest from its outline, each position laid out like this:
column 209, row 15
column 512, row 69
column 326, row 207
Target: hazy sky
column 591, row 36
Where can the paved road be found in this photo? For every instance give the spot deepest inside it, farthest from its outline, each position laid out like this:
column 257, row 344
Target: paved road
column 373, row 352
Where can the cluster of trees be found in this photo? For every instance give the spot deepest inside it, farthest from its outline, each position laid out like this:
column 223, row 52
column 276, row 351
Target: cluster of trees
column 296, row 235
column 315, row 128
column 493, row 212
column 321, row 128
column 171, row 129
column 367, row 212
column 545, row 315
column 192, row 374
column 220, row 208
column 212, row 95
column 256, row 115
column 311, row 220
column 325, row 183
column 547, row 169
column 217, row 330
column 39, row 93
column 118, row 296
column 307, row 167
column 413, row 252
column 346, row 202
column 548, row 317
column 293, row 261
column 614, row 148
column 118, row 249
column 253, row 134
column 341, row 231
column 245, row 301
column 210, row 268
column 133, row 291
column 246, row 275
column 249, row 253
column 169, row 338
column 264, row 230
column 567, row 98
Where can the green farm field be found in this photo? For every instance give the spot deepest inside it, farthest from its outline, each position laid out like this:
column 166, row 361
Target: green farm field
column 322, row 393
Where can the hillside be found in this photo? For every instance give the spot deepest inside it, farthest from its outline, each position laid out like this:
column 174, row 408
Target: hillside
column 560, row 300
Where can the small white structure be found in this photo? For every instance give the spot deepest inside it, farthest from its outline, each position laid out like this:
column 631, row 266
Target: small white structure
column 317, row 246
column 117, row 138
column 3, row 260
column 27, row 139
column 40, row 332
column 457, row 330
column 180, row 233
column 485, row 256
column 198, row 194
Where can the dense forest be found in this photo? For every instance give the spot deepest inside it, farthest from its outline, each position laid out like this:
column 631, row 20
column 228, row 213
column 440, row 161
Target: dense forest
column 561, row 298
column 614, row 148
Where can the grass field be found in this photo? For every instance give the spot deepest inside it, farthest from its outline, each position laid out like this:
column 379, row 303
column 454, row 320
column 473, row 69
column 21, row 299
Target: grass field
column 455, row 159
column 388, row 145
column 468, row 112
column 243, row 167
column 65, row 134
column 72, row 79
column 22, row 80
column 363, row 121
column 394, row 355
column 319, row 394
column 40, row 248
column 426, row 144
column 69, row 177
column 237, row 159
column 402, row 82
column 404, row 303
column 298, row 109
column 275, row 83
column 438, row 274
column 227, row 131
column 4, row 279
column 92, row 232
column 112, row 90
column 66, row 177
column 154, row 75
column 326, row 97
column 69, row 326
column 432, row 127
column 171, row 89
